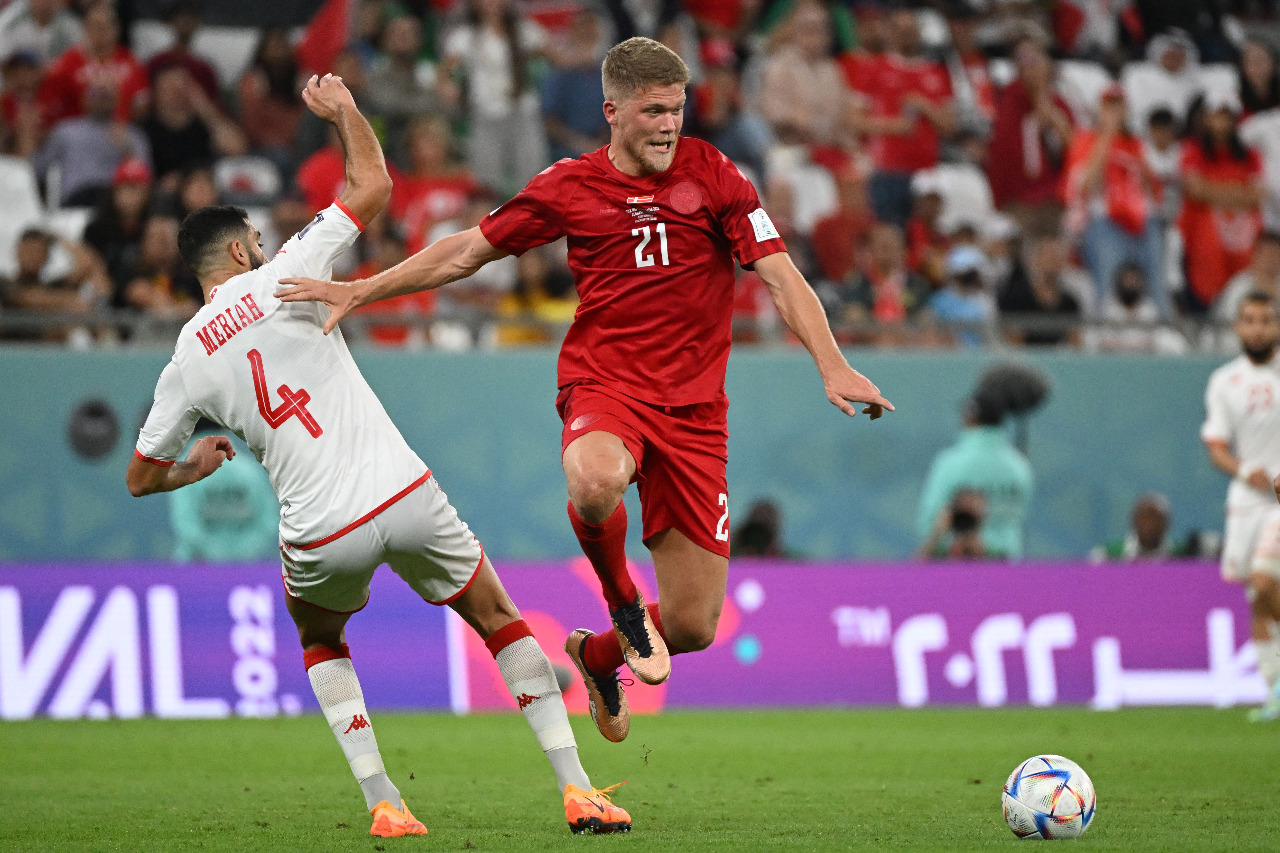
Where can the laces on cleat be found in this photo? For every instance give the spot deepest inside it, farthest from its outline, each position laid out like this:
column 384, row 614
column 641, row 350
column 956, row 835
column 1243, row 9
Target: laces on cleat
column 608, row 687
column 629, row 619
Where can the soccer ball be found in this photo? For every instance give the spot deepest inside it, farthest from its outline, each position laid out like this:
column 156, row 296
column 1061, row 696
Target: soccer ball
column 1048, row 797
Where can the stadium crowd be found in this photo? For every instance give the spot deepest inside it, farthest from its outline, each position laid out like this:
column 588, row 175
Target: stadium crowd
column 1095, row 174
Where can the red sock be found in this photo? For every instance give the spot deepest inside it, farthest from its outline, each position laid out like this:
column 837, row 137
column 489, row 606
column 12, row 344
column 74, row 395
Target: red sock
column 602, row 653
column 605, row 547
column 319, row 654
column 506, row 635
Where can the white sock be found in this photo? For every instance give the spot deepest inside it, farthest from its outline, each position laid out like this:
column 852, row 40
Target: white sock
column 338, row 690
column 1268, row 652
column 532, row 683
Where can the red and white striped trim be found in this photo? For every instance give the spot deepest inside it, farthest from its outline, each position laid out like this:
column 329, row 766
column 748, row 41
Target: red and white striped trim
column 163, row 463
column 349, row 214
column 362, row 519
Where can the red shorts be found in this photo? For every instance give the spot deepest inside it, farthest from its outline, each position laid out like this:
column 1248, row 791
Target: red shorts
column 681, row 453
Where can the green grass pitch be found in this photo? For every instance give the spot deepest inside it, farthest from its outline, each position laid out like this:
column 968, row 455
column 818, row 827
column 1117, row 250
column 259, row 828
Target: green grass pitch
column 1167, row 779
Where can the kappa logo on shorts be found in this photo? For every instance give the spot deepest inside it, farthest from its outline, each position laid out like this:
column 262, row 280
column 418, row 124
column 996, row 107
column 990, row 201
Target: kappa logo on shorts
column 358, row 722
column 583, row 421
column 524, row 700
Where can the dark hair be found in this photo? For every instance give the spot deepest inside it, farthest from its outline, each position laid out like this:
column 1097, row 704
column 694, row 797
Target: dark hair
column 1162, row 117
column 1259, row 297
column 207, row 231
column 1268, row 237
column 1235, row 147
column 282, row 77
column 1250, row 98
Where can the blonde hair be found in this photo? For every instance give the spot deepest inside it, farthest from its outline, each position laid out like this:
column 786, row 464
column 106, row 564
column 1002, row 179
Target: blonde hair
column 639, row 63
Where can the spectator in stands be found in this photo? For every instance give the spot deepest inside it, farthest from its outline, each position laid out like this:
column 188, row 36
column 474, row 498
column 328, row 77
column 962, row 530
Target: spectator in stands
column 99, row 58
column 836, row 237
column 859, row 65
column 879, row 299
column 22, row 124
column 964, row 304
column 970, row 72
column 1222, row 196
column 802, row 96
column 1111, row 197
column 435, row 188
column 1148, row 537
column 80, row 290
column 719, row 116
column 572, row 93
column 397, row 91
column 926, row 244
column 909, row 110
column 183, row 18
column 43, row 28
column 1162, row 151
column 1261, row 132
column 185, row 128
column 759, row 534
column 1130, row 319
column 493, row 50
column 161, row 285
column 962, row 183
column 386, row 249
column 1029, row 139
column 1169, row 78
column 1039, row 306
column 196, row 189
column 1262, row 275
column 115, row 231
column 958, row 533
column 270, row 104
column 1259, row 77
column 86, row 150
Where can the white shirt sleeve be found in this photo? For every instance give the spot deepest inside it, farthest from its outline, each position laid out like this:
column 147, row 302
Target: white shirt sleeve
column 171, row 420
column 312, row 251
column 1217, row 421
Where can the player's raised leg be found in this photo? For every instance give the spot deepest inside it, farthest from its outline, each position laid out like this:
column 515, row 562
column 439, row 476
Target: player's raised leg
column 598, row 467
column 333, row 678
column 487, row 608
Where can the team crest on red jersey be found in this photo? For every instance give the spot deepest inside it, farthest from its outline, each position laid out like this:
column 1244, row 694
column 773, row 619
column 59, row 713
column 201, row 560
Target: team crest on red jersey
column 686, row 197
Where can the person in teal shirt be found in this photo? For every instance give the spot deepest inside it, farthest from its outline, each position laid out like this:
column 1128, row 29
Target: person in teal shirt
column 231, row 516
column 985, row 460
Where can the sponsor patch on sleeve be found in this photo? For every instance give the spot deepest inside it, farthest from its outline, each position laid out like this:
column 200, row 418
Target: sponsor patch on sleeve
column 762, row 225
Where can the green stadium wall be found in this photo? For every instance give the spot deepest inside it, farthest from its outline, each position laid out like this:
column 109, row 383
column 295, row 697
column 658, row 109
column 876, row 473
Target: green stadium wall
column 486, row 425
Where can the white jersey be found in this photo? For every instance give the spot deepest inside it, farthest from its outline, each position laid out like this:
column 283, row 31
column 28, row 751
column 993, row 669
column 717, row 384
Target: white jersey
column 1242, row 409
column 264, row 369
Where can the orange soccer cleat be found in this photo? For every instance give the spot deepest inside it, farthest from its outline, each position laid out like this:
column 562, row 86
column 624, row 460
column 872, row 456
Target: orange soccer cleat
column 390, row 822
column 608, row 703
column 593, row 811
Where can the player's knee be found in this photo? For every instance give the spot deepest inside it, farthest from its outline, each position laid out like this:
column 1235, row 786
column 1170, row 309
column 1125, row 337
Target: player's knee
column 689, row 634
column 595, row 493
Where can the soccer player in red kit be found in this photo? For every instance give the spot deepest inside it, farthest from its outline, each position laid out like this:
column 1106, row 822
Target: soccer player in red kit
column 654, row 223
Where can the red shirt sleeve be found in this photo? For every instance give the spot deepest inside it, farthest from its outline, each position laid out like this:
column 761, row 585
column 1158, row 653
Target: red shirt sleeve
column 750, row 231
column 533, row 217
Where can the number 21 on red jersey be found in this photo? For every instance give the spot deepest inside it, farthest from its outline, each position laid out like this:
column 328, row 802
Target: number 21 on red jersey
column 647, row 260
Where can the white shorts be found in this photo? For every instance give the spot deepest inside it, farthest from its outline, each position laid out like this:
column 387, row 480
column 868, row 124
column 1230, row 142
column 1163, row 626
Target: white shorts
column 420, row 536
column 1251, row 542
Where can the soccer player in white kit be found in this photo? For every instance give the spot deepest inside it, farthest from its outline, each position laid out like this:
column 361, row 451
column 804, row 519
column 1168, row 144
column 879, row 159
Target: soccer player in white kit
column 1242, row 434
column 353, row 495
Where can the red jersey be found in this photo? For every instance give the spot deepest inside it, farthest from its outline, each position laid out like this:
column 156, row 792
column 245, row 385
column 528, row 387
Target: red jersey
column 418, row 203
column 62, row 90
column 887, row 80
column 322, row 176
column 1219, row 240
column 652, row 260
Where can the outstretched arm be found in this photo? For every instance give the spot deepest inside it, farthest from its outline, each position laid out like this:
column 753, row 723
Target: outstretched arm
column 206, row 456
column 803, row 314
column 368, row 186
column 449, row 259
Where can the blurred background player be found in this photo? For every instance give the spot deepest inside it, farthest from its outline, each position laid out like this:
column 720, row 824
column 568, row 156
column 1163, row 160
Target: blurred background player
column 654, row 223
column 353, row 494
column 1241, row 432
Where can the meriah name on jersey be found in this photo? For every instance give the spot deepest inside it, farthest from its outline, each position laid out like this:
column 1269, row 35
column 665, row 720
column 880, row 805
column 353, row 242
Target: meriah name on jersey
column 263, row 369
column 228, row 323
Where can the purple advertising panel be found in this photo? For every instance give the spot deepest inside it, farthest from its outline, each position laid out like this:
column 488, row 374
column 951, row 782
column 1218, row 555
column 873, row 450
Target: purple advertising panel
column 205, row 641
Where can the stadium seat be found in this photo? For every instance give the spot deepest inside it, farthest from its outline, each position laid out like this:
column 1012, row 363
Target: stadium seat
column 247, row 180
column 23, row 207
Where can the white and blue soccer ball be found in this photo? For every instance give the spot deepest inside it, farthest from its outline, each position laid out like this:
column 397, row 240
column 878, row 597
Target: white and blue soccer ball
column 1048, row 797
